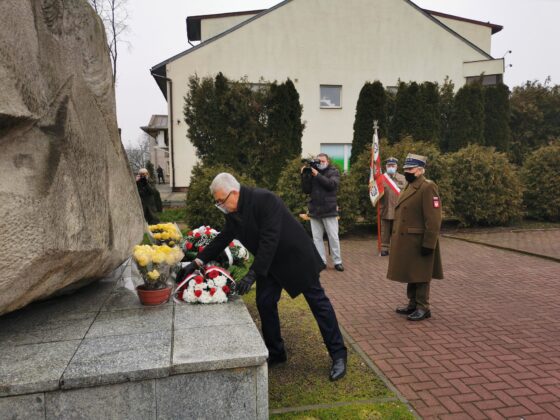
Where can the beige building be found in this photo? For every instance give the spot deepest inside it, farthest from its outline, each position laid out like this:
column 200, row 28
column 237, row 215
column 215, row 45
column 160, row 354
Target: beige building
column 158, row 144
column 329, row 49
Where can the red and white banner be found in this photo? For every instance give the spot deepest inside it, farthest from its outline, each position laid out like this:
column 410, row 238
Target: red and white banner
column 392, row 184
column 376, row 189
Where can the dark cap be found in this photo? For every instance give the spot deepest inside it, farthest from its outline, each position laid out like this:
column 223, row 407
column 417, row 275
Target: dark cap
column 392, row 161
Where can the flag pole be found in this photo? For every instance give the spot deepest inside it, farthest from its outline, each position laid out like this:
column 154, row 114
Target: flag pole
column 378, row 209
column 376, row 189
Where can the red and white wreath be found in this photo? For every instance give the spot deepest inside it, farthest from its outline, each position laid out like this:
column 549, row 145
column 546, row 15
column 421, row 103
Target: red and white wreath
column 210, row 285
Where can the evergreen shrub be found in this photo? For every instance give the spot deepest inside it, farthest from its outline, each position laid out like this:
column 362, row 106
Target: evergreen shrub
column 542, row 191
column 348, row 204
column 200, row 207
column 289, row 188
column 485, row 186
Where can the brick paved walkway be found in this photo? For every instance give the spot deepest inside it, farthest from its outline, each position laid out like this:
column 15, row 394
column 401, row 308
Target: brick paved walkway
column 492, row 346
column 543, row 242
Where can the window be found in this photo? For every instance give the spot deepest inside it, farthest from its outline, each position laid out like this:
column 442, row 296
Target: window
column 339, row 154
column 330, row 96
column 487, row 79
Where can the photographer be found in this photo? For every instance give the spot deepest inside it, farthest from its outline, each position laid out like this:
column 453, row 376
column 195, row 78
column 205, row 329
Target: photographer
column 320, row 179
column 147, row 196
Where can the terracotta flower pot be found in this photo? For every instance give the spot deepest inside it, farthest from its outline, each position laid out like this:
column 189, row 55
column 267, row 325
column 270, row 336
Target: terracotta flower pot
column 152, row 297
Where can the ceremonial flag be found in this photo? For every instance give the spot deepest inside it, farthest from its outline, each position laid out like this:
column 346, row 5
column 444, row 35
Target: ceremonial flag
column 376, row 189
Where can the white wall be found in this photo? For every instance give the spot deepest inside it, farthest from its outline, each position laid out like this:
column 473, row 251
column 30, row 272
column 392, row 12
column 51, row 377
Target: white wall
column 479, row 35
column 318, row 42
column 214, row 26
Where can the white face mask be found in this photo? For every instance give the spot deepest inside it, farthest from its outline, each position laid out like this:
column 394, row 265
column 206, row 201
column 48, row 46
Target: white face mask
column 391, row 170
column 222, row 209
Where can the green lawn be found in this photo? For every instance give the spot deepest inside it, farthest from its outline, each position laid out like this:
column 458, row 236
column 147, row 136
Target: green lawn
column 303, row 380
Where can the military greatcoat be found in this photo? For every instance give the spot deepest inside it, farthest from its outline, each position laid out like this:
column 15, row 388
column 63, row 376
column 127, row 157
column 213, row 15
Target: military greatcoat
column 417, row 224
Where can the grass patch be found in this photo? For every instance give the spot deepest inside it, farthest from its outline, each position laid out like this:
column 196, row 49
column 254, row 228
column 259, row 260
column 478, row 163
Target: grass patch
column 303, row 380
column 385, row 411
column 173, row 214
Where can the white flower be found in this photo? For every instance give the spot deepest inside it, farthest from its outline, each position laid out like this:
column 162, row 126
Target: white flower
column 205, row 297
column 189, row 296
column 220, row 296
column 220, row 281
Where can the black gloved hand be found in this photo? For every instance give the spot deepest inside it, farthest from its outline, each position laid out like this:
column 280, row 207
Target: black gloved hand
column 244, row 285
column 426, row 251
column 186, row 271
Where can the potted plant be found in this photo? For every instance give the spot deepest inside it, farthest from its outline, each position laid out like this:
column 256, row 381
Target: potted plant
column 155, row 263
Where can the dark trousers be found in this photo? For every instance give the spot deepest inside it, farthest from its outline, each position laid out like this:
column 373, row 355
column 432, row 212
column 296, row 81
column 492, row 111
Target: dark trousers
column 418, row 295
column 268, row 295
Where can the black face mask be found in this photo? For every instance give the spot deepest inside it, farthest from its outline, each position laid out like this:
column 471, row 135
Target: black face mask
column 410, row 177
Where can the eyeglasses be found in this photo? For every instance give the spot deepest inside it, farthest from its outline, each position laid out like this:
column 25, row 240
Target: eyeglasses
column 220, row 203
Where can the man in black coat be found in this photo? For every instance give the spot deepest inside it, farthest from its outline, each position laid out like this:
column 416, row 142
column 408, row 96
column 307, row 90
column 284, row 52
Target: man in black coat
column 285, row 258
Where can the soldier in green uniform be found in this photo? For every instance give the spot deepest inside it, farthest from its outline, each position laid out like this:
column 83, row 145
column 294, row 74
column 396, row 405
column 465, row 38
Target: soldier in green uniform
column 393, row 184
column 414, row 252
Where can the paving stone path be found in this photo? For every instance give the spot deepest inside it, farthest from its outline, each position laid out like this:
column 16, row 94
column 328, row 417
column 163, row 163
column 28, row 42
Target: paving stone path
column 542, row 242
column 492, row 346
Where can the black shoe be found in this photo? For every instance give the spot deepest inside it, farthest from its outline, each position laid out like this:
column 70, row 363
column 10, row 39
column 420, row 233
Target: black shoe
column 405, row 310
column 384, row 253
column 339, row 267
column 338, row 369
column 419, row 314
column 276, row 360
column 323, row 266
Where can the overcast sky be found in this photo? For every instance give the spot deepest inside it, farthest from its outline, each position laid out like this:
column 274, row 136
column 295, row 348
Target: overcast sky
column 157, row 31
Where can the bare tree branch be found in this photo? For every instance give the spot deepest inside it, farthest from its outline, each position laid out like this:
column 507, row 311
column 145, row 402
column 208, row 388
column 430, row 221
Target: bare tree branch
column 138, row 156
column 114, row 14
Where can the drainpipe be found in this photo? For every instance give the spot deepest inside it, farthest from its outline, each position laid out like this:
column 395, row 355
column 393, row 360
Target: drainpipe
column 171, row 137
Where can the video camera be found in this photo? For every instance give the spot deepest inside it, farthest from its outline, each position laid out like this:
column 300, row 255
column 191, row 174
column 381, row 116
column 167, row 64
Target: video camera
column 312, row 163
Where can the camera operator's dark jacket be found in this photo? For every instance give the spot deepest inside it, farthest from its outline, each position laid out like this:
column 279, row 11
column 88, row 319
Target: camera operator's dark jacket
column 322, row 202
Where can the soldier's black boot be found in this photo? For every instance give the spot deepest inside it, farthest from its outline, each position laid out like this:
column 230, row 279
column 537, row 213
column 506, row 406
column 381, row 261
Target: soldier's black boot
column 419, row 314
column 405, row 310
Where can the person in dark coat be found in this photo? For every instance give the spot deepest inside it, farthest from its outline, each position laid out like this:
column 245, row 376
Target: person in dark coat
column 415, row 257
column 323, row 210
column 284, row 258
column 160, row 177
column 147, row 196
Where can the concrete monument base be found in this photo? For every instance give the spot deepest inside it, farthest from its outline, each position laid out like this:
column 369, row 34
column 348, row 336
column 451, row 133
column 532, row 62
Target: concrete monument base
column 99, row 354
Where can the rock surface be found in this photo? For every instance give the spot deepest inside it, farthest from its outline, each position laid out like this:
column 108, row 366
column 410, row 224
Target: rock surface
column 69, row 208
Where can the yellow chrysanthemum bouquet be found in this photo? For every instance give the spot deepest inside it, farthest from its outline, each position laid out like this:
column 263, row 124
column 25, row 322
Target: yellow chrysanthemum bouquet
column 155, row 263
column 165, row 233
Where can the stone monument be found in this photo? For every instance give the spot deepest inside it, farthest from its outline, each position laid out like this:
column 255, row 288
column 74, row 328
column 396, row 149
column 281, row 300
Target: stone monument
column 69, row 208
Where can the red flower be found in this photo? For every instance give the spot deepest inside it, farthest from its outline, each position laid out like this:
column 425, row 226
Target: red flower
column 189, row 246
column 198, row 279
column 197, row 293
column 212, row 291
column 226, row 289
column 208, row 231
column 190, row 233
column 200, row 248
column 197, row 235
column 213, row 274
column 231, row 245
